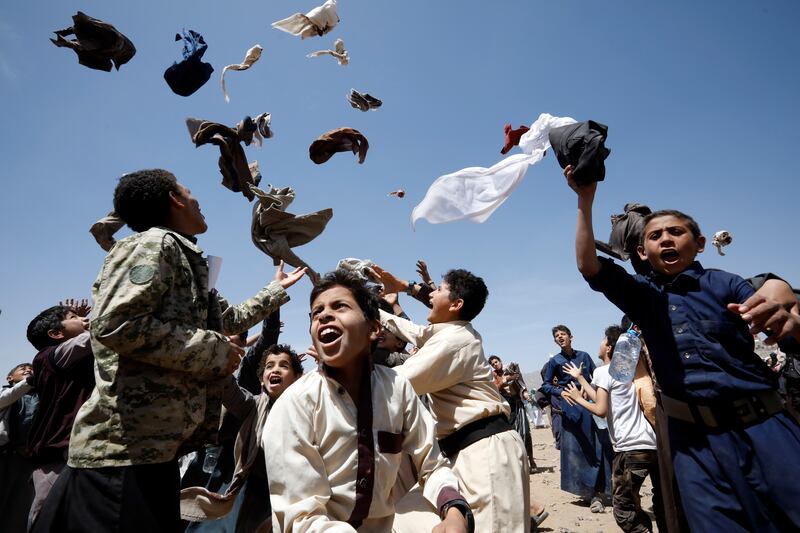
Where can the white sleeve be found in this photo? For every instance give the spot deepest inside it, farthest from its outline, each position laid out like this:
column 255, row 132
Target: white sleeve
column 9, row 395
column 602, row 378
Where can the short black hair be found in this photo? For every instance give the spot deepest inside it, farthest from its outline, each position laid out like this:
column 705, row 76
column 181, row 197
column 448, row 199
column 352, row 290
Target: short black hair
column 694, row 227
column 48, row 319
column 561, row 327
column 626, row 323
column 612, row 333
column 493, row 357
column 297, row 365
column 142, row 198
column 366, row 298
column 468, row 287
column 10, row 372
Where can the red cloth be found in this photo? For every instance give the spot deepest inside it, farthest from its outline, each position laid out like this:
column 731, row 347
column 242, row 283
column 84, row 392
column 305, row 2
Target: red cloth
column 512, row 137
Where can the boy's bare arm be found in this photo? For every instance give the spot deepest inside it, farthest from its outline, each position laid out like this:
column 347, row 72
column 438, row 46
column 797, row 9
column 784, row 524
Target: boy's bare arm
column 600, row 405
column 773, row 309
column 585, row 254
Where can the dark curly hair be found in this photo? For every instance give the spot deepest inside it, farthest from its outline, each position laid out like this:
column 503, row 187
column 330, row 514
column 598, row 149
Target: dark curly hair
column 141, row 198
column 366, row 299
column 694, row 227
column 469, row 288
column 48, row 319
column 612, row 334
column 297, row 366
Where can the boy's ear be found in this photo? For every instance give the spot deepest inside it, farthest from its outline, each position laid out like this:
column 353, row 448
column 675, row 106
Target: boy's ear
column 642, row 254
column 374, row 330
column 701, row 243
column 56, row 334
column 456, row 305
column 175, row 200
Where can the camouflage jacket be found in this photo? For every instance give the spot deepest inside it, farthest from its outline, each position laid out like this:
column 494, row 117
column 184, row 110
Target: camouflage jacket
column 160, row 352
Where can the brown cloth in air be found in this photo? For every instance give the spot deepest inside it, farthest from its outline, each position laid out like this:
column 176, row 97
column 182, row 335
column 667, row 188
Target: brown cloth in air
column 626, row 233
column 512, row 137
column 104, row 229
column 236, row 173
column 339, row 140
column 275, row 232
column 582, row 145
column 97, row 43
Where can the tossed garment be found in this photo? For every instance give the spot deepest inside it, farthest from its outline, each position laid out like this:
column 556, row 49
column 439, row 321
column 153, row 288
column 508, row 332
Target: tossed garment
column 263, row 127
column 338, row 140
column 252, row 55
column 363, row 268
column 512, row 137
column 104, row 229
column 237, row 174
column 626, row 232
column 318, row 21
column 582, row 145
column 720, row 239
column 97, row 43
column 275, row 232
column 338, row 52
column 363, row 101
column 188, row 75
column 474, row 193
column 399, row 193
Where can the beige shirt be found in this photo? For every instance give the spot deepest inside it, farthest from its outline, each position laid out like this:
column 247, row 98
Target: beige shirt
column 450, row 367
column 323, row 451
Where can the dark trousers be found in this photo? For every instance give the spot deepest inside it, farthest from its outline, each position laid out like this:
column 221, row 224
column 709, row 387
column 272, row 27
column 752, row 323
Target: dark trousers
column 555, row 425
column 127, row 499
column 630, row 470
column 739, row 480
column 16, row 491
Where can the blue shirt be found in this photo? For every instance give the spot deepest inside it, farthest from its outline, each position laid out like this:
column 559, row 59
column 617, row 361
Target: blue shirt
column 555, row 369
column 700, row 351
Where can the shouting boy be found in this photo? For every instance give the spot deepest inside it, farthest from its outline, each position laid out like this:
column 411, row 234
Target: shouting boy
column 731, row 439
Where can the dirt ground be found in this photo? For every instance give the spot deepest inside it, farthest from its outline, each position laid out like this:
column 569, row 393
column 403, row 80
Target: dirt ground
column 567, row 513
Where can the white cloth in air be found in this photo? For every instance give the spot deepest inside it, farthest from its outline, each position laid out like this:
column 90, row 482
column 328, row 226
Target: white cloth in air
column 474, row 193
column 318, row 21
column 252, row 55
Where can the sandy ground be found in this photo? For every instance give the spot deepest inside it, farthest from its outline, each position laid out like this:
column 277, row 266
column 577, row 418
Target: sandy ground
column 567, row 513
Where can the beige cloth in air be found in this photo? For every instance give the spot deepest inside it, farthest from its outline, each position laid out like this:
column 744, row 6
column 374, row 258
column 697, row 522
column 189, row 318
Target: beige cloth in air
column 318, row 21
column 339, row 53
column 104, row 229
column 338, row 140
column 275, row 232
column 363, row 268
column 451, row 368
column 253, row 55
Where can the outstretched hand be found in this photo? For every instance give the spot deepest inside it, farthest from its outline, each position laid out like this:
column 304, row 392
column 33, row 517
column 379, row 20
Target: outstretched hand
column 287, row 280
column 767, row 315
column 79, row 307
column 571, row 394
column 422, row 270
column 572, row 370
column 391, row 284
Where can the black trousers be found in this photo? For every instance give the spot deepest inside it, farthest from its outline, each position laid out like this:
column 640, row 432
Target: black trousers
column 127, row 499
column 630, row 470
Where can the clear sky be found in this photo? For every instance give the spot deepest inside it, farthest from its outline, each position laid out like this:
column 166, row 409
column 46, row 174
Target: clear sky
column 700, row 99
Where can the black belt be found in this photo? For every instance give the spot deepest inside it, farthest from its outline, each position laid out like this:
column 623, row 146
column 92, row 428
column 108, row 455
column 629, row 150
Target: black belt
column 473, row 432
column 741, row 412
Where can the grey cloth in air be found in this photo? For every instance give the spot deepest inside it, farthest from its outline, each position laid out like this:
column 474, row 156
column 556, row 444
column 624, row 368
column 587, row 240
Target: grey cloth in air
column 104, row 229
column 363, row 101
column 626, row 234
column 275, row 232
column 97, row 43
column 582, row 145
column 363, row 268
column 338, row 140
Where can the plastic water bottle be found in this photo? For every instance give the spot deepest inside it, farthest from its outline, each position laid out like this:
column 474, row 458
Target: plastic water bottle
column 626, row 356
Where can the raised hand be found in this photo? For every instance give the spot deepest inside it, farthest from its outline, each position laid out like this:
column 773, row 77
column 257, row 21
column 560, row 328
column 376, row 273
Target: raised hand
column 79, row 307
column 422, row 270
column 391, row 284
column 287, row 280
column 572, row 370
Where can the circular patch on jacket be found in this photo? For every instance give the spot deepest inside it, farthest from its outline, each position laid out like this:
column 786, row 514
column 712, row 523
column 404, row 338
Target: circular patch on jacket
column 141, row 274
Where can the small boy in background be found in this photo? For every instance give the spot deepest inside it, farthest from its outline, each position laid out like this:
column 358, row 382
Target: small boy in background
column 63, row 372
column 730, row 436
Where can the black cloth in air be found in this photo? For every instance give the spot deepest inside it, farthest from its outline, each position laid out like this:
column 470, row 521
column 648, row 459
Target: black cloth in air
column 582, row 145
column 188, row 75
column 97, row 43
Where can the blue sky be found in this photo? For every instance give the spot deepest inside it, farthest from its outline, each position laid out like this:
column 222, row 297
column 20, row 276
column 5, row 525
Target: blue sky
column 700, row 99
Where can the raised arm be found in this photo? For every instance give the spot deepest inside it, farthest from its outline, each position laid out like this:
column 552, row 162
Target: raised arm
column 585, row 254
column 600, row 405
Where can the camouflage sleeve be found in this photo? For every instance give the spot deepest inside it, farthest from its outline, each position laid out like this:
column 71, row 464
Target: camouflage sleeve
column 138, row 298
column 238, row 318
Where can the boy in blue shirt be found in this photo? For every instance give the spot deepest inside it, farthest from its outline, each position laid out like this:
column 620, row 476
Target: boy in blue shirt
column 734, row 447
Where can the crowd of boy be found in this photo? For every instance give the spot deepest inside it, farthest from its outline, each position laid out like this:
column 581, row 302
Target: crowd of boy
column 114, row 399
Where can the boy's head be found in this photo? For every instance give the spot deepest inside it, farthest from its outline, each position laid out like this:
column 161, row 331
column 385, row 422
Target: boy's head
column 562, row 337
column 344, row 319
column 388, row 340
column 153, row 197
column 496, row 363
column 19, row 372
column 460, row 296
column 670, row 241
column 279, row 368
column 610, row 337
column 55, row 325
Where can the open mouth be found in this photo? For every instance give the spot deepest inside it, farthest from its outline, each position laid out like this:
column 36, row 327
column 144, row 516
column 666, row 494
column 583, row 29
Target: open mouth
column 328, row 335
column 275, row 380
column 670, row 256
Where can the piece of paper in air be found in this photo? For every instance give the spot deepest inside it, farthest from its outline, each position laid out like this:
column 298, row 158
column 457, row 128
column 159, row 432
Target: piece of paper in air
column 318, row 21
column 475, row 193
column 214, row 266
column 252, row 55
